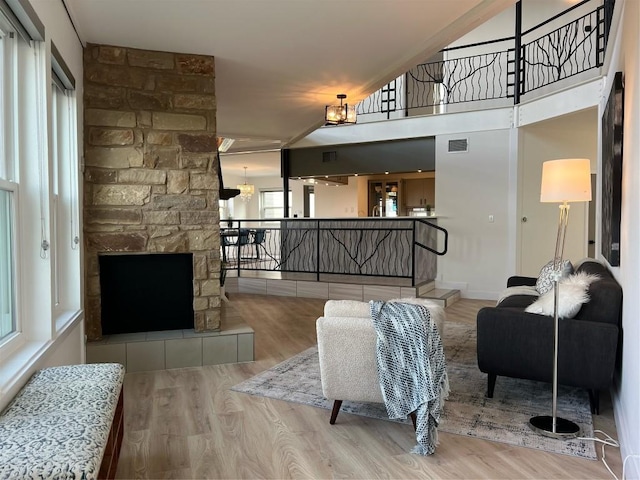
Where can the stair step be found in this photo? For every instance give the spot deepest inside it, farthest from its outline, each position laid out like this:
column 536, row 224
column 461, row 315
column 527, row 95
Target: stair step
column 442, row 297
column 425, row 288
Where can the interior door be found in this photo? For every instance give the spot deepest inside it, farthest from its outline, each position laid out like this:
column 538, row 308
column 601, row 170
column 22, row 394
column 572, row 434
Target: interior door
column 572, row 136
column 538, row 223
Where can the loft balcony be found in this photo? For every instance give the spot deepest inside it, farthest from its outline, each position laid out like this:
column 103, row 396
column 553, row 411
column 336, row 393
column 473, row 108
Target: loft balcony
column 560, row 52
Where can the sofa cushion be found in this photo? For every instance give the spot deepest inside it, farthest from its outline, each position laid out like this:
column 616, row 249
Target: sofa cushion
column 545, row 278
column 605, row 304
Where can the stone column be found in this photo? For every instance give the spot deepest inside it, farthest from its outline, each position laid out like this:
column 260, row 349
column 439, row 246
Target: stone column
column 150, row 182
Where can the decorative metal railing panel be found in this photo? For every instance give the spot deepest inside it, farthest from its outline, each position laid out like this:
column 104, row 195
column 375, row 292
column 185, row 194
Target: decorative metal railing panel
column 382, row 247
column 383, row 250
column 497, row 69
column 464, row 79
column 564, row 52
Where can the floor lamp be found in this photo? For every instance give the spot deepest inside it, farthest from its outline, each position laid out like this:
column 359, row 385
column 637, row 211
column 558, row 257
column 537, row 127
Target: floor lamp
column 563, row 181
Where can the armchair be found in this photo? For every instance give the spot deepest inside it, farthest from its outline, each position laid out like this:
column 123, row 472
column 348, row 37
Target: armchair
column 347, row 351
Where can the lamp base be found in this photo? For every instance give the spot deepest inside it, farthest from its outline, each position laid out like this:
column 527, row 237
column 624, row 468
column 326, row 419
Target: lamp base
column 565, row 429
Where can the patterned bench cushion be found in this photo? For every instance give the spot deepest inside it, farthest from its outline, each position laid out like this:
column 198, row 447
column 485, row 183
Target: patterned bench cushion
column 58, row 424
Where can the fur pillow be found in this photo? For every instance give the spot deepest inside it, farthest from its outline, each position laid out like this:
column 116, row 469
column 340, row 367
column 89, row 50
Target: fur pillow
column 572, row 295
column 545, row 278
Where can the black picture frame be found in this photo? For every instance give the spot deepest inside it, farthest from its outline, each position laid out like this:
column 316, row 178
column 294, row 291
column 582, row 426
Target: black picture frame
column 612, row 136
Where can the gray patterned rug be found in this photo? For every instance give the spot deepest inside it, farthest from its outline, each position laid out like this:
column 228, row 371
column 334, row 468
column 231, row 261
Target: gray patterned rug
column 503, row 418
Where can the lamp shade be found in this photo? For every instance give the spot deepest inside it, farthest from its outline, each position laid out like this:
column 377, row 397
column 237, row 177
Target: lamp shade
column 566, row 180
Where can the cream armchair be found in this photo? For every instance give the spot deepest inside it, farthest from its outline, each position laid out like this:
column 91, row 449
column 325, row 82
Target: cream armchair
column 347, row 351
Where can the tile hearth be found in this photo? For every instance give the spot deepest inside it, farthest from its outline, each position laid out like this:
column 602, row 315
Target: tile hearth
column 161, row 350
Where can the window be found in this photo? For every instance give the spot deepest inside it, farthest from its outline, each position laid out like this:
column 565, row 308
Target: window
column 7, row 298
column 40, row 271
column 223, row 209
column 272, row 204
column 8, row 186
column 64, row 189
column 309, row 201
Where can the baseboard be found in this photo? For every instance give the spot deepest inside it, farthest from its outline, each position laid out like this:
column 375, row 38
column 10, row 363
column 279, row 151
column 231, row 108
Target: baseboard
column 480, row 295
column 625, row 439
column 462, row 286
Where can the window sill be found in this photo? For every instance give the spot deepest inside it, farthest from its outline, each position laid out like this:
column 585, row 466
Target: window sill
column 19, row 364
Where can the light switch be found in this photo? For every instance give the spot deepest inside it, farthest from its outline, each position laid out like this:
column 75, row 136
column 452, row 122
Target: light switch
column 490, row 218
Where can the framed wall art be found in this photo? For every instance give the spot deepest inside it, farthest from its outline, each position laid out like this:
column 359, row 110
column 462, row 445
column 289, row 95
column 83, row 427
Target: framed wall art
column 612, row 122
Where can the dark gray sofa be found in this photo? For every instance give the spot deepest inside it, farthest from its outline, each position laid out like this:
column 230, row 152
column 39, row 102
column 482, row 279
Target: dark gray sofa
column 517, row 344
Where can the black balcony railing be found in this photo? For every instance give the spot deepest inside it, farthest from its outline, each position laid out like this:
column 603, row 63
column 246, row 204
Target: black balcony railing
column 566, row 51
column 502, row 70
column 398, row 248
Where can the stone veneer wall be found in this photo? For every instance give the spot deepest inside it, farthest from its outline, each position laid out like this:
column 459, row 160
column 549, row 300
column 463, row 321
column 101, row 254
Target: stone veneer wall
column 150, row 178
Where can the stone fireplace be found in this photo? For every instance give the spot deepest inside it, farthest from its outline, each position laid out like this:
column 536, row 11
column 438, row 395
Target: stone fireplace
column 150, row 182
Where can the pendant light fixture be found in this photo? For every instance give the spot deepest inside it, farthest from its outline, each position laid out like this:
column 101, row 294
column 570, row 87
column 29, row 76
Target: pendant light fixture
column 339, row 114
column 246, row 190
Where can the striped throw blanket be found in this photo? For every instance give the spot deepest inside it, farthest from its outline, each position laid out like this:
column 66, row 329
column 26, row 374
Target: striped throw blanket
column 411, row 367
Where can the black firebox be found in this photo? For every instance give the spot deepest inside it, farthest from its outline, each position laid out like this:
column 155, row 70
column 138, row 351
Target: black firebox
column 143, row 293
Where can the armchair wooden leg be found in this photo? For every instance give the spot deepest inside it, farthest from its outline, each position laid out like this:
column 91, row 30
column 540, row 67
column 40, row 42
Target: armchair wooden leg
column 414, row 419
column 491, row 384
column 335, row 411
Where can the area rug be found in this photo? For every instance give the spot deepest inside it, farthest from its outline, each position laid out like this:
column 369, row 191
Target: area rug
column 467, row 411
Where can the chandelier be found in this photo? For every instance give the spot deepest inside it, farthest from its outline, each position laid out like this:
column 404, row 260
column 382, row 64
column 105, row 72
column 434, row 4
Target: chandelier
column 339, row 114
column 246, row 190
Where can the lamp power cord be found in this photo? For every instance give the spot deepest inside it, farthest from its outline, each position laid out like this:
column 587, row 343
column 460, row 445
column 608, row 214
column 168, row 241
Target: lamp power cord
column 609, row 441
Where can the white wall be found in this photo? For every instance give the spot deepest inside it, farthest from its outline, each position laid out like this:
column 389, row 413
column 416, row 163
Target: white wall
column 337, row 202
column 626, row 58
column 533, row 13
column 469, row 188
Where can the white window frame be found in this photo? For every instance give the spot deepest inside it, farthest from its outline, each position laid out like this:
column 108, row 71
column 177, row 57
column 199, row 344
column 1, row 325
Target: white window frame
column 11, row 294
column 264, row 208
column 8, row 53
column 8, row 169
column 64, row 202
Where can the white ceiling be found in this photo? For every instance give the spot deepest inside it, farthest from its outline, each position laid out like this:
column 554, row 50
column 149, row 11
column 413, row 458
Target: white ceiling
column 279, row 62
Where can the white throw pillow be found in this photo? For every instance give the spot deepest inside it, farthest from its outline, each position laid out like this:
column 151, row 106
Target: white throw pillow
column 517, row 290
column 545, row 278
column 572, row 295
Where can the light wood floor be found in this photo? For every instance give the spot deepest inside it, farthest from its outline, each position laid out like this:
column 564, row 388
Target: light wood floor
column 186, row 423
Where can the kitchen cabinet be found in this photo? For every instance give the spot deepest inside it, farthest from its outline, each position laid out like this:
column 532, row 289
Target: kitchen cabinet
column 384, row 198
column 419, row 192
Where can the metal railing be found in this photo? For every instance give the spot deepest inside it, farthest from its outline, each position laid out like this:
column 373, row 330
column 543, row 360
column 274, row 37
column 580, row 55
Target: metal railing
column 372, row 247
column 498, row 70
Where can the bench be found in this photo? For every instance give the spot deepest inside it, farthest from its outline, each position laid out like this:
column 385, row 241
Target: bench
column 66, row 422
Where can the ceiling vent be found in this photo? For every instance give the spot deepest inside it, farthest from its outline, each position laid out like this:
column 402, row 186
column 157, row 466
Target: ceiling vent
column 458, row 145
column 329, row 157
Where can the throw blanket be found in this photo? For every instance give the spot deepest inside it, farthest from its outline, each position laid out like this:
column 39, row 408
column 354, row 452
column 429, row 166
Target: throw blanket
column 411, row 367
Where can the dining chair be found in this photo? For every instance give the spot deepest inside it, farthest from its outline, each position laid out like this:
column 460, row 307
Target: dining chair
column 259, row 237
